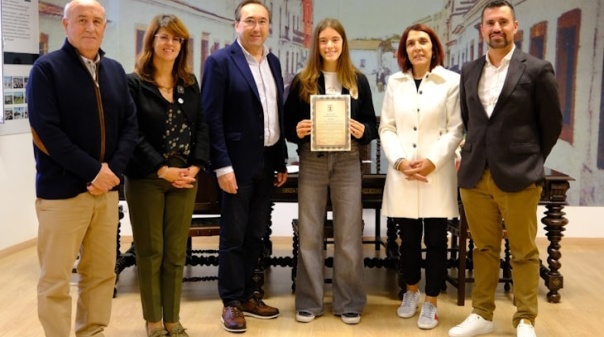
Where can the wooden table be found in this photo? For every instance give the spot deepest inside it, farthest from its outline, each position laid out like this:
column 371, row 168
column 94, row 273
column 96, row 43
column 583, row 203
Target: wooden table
column 553, row 198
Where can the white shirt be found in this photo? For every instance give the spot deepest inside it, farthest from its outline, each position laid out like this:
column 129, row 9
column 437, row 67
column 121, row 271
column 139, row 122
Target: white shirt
column 267, row 88
column 332, row 85
column 491, row 81
column 91, row 65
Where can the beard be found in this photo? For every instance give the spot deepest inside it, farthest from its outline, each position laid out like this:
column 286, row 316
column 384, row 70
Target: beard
column 498, row 44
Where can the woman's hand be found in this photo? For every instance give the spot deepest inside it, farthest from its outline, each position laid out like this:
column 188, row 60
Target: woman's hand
column 186, row 177
column 179, row 177
column 303, row 128
column 417, row 169
column 357, row 129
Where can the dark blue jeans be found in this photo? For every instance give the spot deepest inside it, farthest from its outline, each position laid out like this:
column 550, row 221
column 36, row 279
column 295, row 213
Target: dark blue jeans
column 243, row 223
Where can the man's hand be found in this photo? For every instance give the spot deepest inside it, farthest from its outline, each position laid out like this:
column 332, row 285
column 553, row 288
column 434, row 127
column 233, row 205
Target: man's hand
column 281, row 179
column 228, row 183
column 105, row 179
column 94, row 191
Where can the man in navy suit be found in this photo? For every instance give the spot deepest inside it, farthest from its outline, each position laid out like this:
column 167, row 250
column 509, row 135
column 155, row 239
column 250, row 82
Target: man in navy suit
column 511, row 111
column 242, row 97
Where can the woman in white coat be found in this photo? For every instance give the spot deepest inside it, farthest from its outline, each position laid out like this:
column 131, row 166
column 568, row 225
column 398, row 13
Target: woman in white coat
column 420, row 129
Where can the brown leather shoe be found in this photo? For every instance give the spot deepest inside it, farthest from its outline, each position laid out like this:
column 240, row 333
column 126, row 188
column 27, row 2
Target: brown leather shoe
column 255, row 307
column 232, row 319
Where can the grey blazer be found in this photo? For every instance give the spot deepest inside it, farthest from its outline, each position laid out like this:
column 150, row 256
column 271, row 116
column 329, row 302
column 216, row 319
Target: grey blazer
column 522, row 130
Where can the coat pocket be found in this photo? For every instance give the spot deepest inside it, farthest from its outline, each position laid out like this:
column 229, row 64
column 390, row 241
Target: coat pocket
column 523, row 148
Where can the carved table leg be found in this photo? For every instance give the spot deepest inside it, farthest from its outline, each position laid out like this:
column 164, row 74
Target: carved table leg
column 399, row 263
column 506, row 265
column 392, row 250
column 554, row 222
column 264, row 259
column 295, row 247
column 123, row 260
column 259, row 278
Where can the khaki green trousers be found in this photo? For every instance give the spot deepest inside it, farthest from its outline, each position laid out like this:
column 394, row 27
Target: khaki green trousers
column 160, row 216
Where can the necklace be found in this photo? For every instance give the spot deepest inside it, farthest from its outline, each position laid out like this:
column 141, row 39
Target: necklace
column 167, row 90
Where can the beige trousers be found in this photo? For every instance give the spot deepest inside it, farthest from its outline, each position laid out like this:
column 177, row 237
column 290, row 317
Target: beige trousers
column 84, row 226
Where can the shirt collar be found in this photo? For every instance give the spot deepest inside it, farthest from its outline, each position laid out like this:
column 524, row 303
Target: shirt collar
column 250, row 56
column 96, row 60
column 506, row 59
column 436, row 71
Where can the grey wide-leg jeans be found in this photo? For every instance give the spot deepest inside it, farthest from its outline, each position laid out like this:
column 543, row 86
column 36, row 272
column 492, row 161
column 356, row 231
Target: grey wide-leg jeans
column 337, row 174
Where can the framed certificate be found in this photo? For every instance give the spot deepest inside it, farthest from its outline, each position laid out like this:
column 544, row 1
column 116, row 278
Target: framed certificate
column 330, row 117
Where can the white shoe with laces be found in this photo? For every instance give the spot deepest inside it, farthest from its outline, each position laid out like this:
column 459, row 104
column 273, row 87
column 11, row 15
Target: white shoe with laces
column 409, row 305
column 525, row 329
column 472, row 326
column 428, row 317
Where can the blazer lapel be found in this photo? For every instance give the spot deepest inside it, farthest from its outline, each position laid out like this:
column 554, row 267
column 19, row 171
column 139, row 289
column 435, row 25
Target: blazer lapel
column 275, row 67
column 244, row 67
column 515, row 71
column 473, row 80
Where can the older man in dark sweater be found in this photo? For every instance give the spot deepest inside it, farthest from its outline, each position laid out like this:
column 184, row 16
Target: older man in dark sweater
column 84, row 130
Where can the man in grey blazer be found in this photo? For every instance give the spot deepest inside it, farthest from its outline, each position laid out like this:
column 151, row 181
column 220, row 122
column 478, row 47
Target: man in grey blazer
column 511, row 112
column 242, row 97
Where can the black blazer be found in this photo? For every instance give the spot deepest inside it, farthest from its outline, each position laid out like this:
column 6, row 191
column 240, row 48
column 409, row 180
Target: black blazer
column 151, row 110
column 522, row 130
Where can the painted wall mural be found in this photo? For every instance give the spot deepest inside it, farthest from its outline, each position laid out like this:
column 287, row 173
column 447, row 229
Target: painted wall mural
column 568, row 33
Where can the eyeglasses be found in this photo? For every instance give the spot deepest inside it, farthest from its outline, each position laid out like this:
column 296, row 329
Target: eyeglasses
column 166, row 38
column 249, row 22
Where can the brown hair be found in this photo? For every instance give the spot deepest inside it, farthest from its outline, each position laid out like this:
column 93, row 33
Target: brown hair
column 347, row 72
column 182, row 70
column 438, row 53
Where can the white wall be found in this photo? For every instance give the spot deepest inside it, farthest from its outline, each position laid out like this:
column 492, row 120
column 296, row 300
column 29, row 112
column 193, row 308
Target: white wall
column 18, row 222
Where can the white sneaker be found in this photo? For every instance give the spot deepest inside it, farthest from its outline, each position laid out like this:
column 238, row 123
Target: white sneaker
column 472, row 326
column 525, row 329
column 409, row 305
column 428, row 317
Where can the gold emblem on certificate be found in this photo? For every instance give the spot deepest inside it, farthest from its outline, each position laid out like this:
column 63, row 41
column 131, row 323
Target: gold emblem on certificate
column 330, row 116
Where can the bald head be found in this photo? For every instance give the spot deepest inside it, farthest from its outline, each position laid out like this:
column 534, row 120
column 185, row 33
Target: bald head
column 74, row 3
column 84, row 22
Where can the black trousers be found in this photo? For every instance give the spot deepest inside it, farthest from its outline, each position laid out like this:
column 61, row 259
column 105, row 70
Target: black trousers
column 435, row 240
